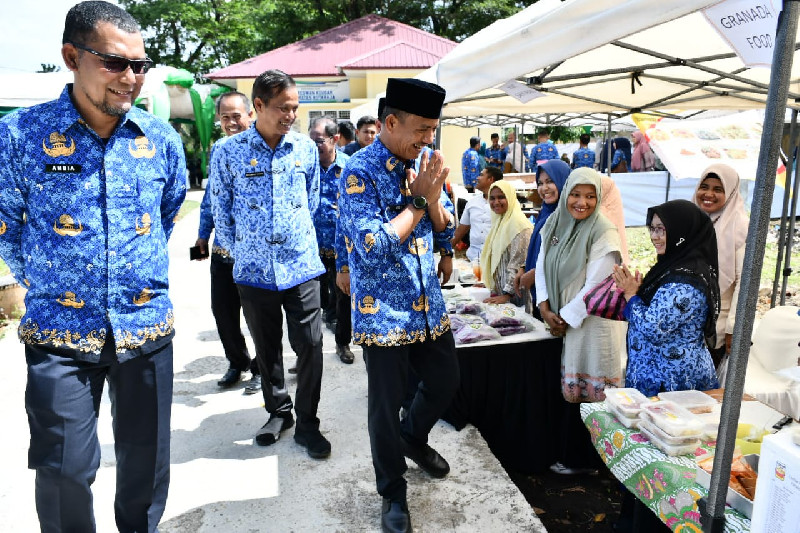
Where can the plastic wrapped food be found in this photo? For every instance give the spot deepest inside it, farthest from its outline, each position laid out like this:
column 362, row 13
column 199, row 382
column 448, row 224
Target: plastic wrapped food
column 469, row 308
column 673, row 419
column 627, row 402
column 693, row 400
column 459, row 321
column 505, row 331
column 497, row 315
column 474, row 333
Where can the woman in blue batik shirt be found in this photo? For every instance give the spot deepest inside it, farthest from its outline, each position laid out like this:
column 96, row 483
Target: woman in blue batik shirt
column 673, row 310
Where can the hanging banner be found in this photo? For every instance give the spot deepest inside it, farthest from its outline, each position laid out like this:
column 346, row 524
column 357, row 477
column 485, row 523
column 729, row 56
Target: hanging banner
column 749, row 28
column 643, row 121
column 520, row 91
column 687, row 147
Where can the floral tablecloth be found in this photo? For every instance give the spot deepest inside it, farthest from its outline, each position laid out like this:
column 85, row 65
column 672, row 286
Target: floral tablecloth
column 666, row 485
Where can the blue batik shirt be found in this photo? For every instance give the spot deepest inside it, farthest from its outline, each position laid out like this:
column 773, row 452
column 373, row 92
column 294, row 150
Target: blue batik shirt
column 263, row 202
column 395, row 294
column 207, row 218
column 496, row 153
column 583, row 157
column 325, row 218
column 84, row 226
column 542, row 152
column 470, row 167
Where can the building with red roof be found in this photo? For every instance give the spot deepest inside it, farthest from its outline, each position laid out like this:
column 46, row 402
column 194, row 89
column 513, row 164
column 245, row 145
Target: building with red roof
column 344, row 67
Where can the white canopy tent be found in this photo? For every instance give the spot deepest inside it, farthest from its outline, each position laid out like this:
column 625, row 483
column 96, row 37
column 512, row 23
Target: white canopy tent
column 622, row 56
column 625, row 56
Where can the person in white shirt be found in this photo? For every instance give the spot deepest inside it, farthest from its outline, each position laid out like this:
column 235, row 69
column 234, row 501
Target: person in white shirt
column 516, row 156
column 476, row 218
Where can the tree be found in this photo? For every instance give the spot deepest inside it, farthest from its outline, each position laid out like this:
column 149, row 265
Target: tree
column 49, row 67
column 204, row 35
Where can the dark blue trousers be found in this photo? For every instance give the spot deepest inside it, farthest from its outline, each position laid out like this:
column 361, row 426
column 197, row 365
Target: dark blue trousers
column 436, row 364
column 62, row 400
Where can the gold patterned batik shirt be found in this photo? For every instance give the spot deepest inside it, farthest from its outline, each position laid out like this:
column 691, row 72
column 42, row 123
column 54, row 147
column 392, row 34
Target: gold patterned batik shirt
column 84, row 225
column 395, row 294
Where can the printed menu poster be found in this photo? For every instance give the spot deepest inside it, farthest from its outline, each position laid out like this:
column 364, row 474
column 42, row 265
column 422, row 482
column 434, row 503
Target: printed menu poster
column 687, row 147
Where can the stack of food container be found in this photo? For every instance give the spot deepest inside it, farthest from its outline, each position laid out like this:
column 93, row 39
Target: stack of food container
column 626, row 404
column 695, row 401
column 671, row 428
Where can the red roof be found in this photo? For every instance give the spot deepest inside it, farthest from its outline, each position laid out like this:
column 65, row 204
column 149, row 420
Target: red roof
column 371, row 42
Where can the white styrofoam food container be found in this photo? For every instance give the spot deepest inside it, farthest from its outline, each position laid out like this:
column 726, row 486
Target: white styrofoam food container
column 733, row 498
column 674, row 419
column 694, row 400
column 628, row 402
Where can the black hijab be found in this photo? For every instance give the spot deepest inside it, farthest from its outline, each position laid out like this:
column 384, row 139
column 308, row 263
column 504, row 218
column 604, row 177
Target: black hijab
column 690, row 256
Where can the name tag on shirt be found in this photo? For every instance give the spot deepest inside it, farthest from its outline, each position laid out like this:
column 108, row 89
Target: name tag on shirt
column 62, row 169
column 253, row 174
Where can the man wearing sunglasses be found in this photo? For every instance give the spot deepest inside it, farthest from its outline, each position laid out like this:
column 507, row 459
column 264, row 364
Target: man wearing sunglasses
column 335, row 304
column 90, row 186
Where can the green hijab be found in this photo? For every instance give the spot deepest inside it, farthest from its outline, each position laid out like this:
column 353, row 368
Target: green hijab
column 566, row 242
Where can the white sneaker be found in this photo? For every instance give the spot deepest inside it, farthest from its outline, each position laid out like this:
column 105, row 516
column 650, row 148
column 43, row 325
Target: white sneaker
column 559, row 468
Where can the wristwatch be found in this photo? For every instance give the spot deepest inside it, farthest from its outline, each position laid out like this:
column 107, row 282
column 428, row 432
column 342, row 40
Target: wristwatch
column 419, row 202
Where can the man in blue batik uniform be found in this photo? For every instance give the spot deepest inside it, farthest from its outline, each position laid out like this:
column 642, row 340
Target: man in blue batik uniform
column 264, row 193
column 495, row 154
column 543, row 151
column 471, row 164
column 235, row 116
column 393, row 222
column 335, row 304
column 583, row 157
column 89, row 188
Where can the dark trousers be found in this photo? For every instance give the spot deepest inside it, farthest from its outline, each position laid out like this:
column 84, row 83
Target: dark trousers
column 226, row 306
column 576, row 448
column 335, row 303
column 62, row 400
column 263, row 311
column 436, row 364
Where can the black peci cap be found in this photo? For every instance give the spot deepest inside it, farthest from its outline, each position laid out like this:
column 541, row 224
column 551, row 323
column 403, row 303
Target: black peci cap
column 415, row 96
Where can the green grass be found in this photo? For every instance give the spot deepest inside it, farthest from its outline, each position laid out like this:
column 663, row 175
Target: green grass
column 187, row 207
column 643, row 256
column 4, row 269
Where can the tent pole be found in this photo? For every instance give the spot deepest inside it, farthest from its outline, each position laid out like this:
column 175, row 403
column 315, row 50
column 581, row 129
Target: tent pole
column 712, row 511
column 608, row 146
column 785, row 209
column 789, row 236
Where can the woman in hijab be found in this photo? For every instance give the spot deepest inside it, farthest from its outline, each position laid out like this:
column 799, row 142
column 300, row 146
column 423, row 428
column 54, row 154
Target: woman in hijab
column 550, row 179
column 674, row 308
column 717, row 194
column 622, row 151
column 506, row 244
column 643, row 158
column 579, row 249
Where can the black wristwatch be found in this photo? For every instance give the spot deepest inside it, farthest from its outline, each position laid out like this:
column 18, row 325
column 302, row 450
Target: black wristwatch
column 419, row 202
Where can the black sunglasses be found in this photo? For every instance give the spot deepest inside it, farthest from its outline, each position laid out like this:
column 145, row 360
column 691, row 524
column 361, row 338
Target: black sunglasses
column 114, row 63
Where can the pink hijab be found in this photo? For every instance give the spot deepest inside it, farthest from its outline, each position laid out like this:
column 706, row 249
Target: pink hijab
column 643, row 158
column 730, row 222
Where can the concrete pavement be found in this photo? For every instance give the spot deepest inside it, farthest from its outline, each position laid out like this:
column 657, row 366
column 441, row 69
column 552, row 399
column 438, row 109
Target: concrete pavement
column 223, row 482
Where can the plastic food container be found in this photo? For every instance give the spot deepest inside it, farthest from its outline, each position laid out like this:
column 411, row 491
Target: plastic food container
column 627, row 402
column 683, row 449
column 694, row 400
column 658, row 433
column 674, row 419
column 628, row 422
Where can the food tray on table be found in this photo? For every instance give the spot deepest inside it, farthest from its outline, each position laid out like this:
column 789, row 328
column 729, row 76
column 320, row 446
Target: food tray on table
column 627, row 402
column 673, row 419
column 628, row 422
column 683, row 449
column 694, row 400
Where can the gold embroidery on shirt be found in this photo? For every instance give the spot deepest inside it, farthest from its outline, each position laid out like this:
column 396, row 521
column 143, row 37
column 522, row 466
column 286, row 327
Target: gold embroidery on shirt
column 397, row 336
column 369, row 242
column 144, row 229
column 142, row 147
column 369, row 306
column 127, row 340
column 327, row 253
column 348, row 244
column 3, row 227
column 253, row 162
column 220, row 251
column 70, row 300
column 421, row 304
column 66, row 226
column 418, row 246
column 391, row 163
column 58, row 145
column 338, row 173
column 143, row 297
column 354, row 185
column 345, row 269
column 30, row 333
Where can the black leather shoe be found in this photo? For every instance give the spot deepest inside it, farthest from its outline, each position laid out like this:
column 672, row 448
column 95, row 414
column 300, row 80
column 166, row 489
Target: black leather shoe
column 345, row 355
column 271, row 431
column 315, row 444
column 426, row 457
column 253, row 385
column 331, row 325
column 395, row 517
column 231, row 378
